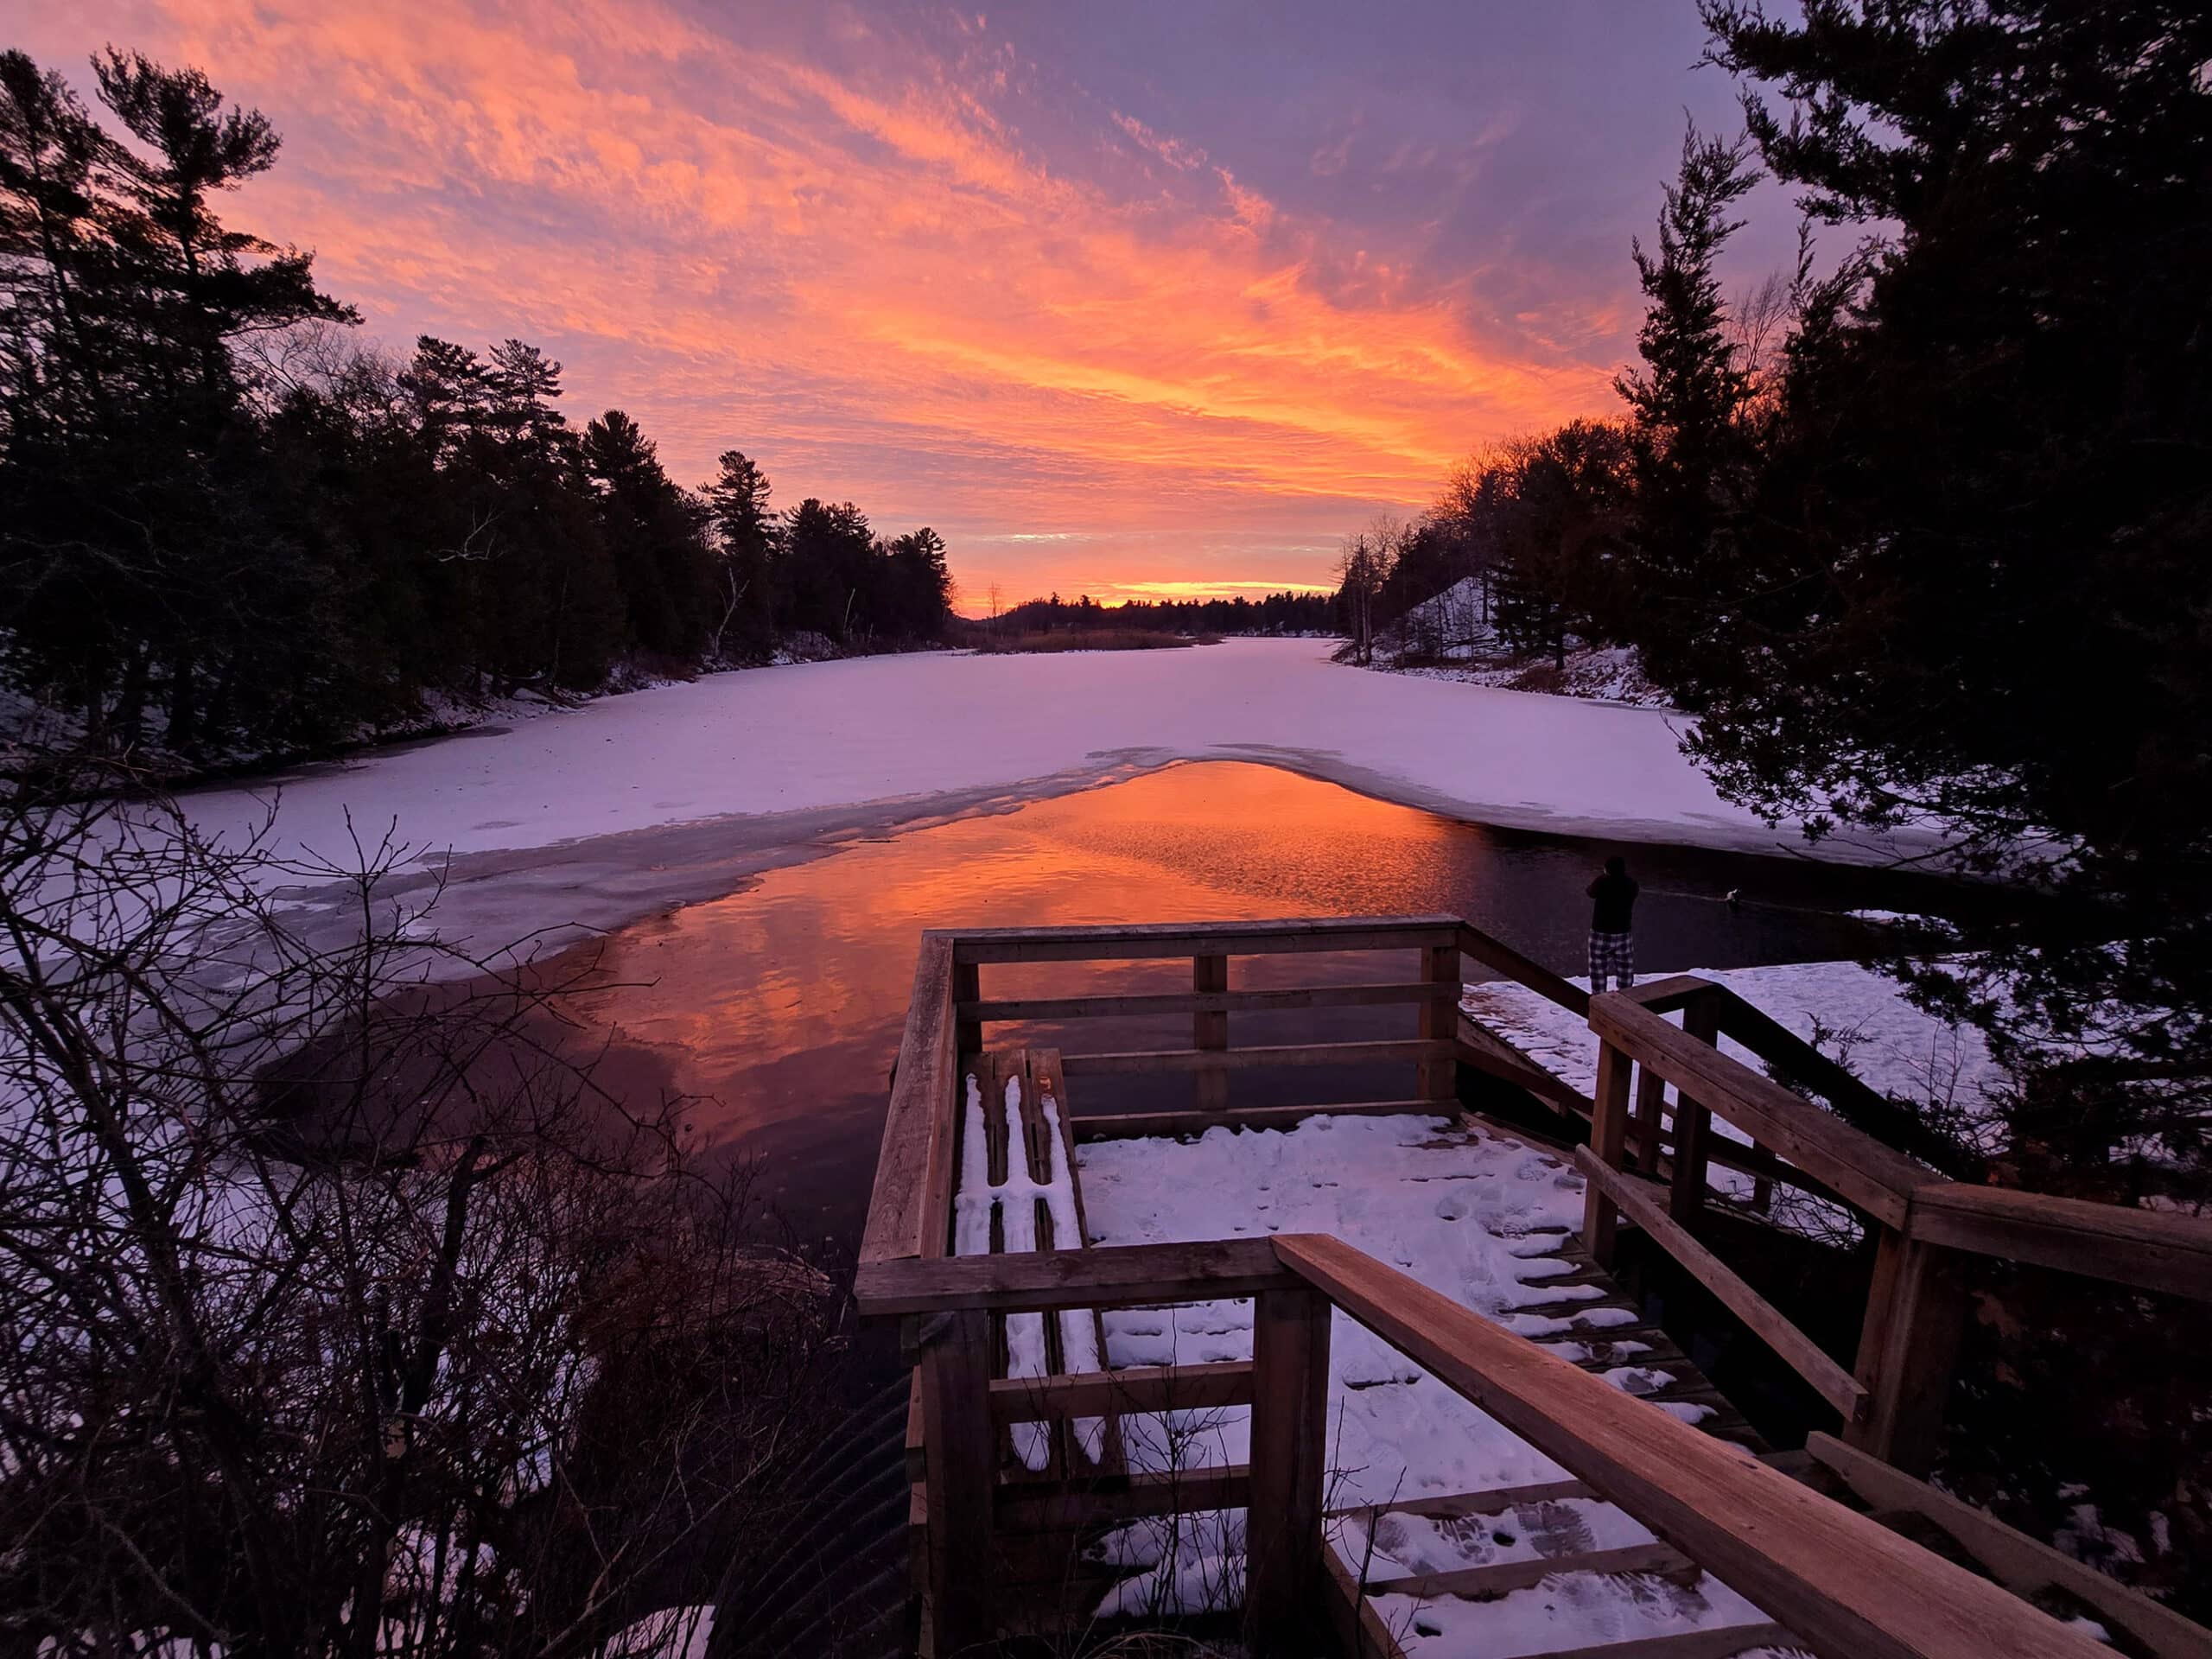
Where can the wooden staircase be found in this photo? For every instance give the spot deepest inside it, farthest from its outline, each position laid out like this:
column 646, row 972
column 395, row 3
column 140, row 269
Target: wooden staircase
column 1851, row 1556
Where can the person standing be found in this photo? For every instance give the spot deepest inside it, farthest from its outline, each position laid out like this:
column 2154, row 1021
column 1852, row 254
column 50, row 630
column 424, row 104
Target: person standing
column 1612, row 939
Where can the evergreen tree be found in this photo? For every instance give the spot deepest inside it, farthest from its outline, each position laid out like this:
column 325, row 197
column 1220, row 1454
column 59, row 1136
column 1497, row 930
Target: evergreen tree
column 1969, row 583
column 747, row 592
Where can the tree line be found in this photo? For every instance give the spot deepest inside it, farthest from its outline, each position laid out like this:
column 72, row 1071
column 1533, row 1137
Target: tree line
column 227, row 529
column 1284, row 613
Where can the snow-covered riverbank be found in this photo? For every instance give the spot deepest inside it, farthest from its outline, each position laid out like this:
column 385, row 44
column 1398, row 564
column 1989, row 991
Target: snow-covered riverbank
column 627, row 804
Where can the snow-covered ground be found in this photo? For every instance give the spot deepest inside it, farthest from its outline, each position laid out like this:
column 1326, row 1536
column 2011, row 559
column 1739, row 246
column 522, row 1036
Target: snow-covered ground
column 1894, row 1047
column 1472, row 1215
column 766, row 758
column 1448, row 637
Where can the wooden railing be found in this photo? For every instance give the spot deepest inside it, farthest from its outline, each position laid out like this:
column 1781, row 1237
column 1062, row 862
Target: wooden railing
column 1691, row 1489
column 1891, row 1401
column 1841, row 1583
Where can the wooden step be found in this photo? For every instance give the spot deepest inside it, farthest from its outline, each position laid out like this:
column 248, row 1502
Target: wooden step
column 1498, row 1578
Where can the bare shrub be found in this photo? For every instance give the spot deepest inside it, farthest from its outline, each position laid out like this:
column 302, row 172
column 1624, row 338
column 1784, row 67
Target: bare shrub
column 335, row 1320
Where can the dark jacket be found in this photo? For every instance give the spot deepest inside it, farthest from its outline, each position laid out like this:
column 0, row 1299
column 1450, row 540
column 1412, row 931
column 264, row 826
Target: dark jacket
column 1615, row 897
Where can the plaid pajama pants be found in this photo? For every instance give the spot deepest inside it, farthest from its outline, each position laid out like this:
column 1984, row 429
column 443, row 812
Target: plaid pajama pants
column 1613, row 954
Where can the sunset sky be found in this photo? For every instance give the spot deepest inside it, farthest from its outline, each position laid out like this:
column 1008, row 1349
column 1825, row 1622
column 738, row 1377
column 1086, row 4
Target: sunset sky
column 1145, row 297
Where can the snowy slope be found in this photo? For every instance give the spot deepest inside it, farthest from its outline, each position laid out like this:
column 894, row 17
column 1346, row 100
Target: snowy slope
column 912, row 729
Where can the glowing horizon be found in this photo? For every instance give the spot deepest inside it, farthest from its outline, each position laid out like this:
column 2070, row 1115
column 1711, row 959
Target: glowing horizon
column 1092, row 296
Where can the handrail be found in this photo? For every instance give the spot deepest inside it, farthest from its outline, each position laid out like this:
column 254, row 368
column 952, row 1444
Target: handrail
column 913, row 1169
column 1844, row 1584
column 2148, row 1249
column 1923, row 1220
column 1143, row 1275
column 1142, row 940
column 1876, row 1178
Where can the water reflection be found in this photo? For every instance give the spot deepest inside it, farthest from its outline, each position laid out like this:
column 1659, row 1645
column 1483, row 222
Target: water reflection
column 780, row 1005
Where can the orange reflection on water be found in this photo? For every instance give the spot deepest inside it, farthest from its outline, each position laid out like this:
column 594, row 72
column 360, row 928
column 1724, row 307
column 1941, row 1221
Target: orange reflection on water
column 818, row 958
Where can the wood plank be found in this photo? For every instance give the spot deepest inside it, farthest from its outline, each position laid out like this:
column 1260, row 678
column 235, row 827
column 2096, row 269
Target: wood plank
column 1487, row 1052
column 1651, row 1137
column 1288, row 998
column 1723, row 1643
column 1439, row 1079
column 1608, row 1135
column 1641, row 1202
column 1692, row 1123
column 1147, row 940
column 916, row 1457
column 1876, row 1179
column 1045, row 1067
column 2018, row 1561
column 1110, row 1276
column 1916, row 1319
column 1499, row 1578
column 1665, row 995
column 1128, row 1125
column 1141, row 1388
column 1246, row 1059
column 1849, row 1589
column 1289, row 1464
column 956, row 1428
column 1497, row 1501
column 1122, row 1497
column 903, row 1216
column 1501, row 958
column 2151, row 1250
column 1363, row 1633
column 1209, row 1031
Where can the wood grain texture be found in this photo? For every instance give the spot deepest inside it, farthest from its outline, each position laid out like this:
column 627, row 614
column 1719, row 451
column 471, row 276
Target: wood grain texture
column 1141, row 1388
column 2150, row 1250
column 1109, row 1275
column 1124, row 1125
column 1642, row 1202
column 1289, row 1465
column 1414, row 1049
column 1847, row 1588
column 1875, row 1178
column 902, row 1208
column 1288, row 998
column 2016, row 1560
column 1170, row 939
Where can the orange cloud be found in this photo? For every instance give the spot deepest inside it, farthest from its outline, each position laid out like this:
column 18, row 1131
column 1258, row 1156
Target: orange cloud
column 890, row 268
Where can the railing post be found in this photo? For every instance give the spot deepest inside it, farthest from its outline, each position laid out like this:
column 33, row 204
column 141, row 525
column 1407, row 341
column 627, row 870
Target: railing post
column 962, row 1456
column 1210, row 1031
column 967, row 987
column 1916, row 1318
column 1440, row 1079
column 1608, row 1139
column 1288, row 1462
column 1650, row 1111
column 1692, row 1122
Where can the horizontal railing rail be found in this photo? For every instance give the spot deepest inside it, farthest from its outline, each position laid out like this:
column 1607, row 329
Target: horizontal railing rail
column 1838, row 1581
column 1892, row 1404
column 1890, row 1400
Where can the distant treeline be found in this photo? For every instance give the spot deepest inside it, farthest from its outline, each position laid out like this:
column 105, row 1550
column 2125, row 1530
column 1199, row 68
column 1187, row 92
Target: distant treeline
column 1283, row 613
column 226, row 530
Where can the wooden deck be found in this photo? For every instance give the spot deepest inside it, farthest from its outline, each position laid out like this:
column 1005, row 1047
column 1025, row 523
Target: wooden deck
column 1014, row 1475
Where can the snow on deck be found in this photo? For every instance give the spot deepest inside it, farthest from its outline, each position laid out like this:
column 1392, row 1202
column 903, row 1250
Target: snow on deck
column 1472, row 1215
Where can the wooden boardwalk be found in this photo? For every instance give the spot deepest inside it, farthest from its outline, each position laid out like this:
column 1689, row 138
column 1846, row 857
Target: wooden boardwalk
column 1016, row 1450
